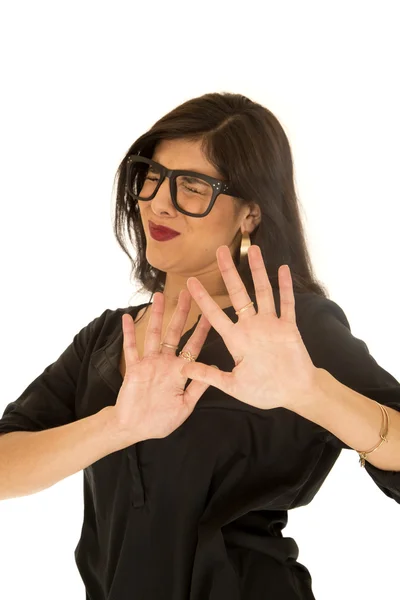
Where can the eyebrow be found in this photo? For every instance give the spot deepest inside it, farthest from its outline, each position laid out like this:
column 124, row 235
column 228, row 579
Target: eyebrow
column 191, row 179
column 193, row 170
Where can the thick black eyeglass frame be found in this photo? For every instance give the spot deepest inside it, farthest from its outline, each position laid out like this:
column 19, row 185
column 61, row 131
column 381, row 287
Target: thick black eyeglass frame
column 218, row 186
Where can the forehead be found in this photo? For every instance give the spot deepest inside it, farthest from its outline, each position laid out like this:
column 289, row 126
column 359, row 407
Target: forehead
column 184, row 154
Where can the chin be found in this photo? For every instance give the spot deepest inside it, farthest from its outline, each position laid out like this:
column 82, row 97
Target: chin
column 155, row 259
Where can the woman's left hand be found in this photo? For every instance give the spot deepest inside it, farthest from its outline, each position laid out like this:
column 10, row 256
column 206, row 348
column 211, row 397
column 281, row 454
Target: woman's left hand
column 272, row 366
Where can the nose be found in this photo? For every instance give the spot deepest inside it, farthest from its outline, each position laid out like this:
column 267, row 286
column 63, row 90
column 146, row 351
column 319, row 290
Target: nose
column 162, row 201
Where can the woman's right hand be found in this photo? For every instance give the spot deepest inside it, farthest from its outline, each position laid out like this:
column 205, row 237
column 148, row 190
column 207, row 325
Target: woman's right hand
column 152, row 401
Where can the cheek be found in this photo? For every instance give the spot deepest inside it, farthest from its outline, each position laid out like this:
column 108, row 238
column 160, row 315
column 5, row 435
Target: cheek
column 220, row 225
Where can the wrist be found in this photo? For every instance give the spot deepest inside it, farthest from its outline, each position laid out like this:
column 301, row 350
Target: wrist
column 119, row 437
column 305, row 404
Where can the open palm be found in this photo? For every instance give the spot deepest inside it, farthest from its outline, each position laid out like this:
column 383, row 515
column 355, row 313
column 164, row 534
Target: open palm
column 272, row 365
column 152, row 401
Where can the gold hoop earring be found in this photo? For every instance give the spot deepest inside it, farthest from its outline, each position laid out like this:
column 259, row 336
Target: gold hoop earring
column 244, row 245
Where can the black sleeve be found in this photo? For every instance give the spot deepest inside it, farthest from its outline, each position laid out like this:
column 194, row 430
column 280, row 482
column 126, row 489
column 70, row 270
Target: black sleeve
column 49, row 401
column 331, row 345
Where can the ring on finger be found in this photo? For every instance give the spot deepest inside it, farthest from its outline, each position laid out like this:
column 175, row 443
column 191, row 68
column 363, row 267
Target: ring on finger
column 244, row 308
column 187, row 355
column 169, row 346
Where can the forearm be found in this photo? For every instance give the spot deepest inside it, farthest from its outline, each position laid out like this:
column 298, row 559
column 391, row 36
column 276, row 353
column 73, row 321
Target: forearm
column 354, row 419
column 33, row 461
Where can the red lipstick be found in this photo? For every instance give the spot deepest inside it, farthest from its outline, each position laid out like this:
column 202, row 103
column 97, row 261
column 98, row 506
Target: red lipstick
column 160, row 233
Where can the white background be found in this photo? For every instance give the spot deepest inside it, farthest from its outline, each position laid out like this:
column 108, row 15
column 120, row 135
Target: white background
column 80, row 81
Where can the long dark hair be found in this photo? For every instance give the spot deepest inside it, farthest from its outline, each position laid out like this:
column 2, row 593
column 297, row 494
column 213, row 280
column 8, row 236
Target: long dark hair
column 249, row 147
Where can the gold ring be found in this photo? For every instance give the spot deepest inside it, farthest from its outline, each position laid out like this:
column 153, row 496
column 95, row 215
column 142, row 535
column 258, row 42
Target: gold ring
column 244, row 308
column 187, row 355
column 169, row 346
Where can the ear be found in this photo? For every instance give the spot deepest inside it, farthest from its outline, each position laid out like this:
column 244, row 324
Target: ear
column 252, row 217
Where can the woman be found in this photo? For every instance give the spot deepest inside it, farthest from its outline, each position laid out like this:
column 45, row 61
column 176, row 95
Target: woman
column 190, row 497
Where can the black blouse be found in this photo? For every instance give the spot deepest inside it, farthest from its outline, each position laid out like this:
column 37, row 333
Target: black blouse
column 199, row 515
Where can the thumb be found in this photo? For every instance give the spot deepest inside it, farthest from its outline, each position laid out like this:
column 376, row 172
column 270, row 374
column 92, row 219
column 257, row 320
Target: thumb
column 208, row 374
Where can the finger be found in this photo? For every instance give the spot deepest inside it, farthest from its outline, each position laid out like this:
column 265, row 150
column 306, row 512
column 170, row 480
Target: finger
column 175, row 327
column 210, row 309
column 129, row 342
column 235, row 286
column 193, row 393
column 198, row 337
column 288, row 311
column 262, row 284
column 206, row 374
column 153, row 332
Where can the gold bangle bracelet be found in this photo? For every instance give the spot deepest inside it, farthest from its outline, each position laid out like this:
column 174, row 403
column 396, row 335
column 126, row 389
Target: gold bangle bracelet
column 382, row 435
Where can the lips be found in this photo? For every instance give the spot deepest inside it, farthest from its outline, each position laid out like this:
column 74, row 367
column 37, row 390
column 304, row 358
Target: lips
column 162, row 229
column 161, row 233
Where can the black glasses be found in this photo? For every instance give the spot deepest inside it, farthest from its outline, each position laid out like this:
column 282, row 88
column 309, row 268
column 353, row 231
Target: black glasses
column 193, row 194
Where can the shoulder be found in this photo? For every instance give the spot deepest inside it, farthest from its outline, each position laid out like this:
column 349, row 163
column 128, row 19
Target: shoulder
column 326, row 333
column 311, row 306
column 321, row 321
column 107, row 325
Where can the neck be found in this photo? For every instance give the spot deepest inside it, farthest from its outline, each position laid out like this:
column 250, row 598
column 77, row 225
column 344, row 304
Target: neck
column 215, row 287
